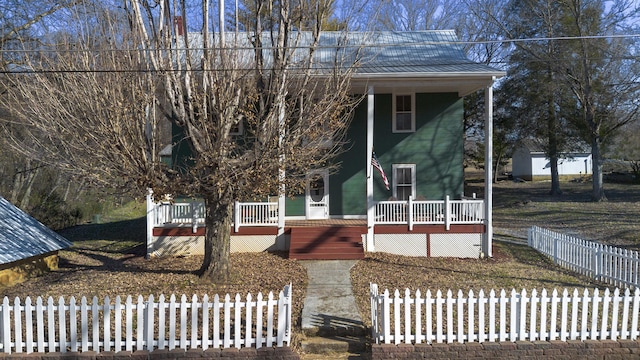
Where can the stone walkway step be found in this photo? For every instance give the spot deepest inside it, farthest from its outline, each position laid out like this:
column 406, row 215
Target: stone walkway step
column 331, row 321
column 334, row 345
column 330, row 307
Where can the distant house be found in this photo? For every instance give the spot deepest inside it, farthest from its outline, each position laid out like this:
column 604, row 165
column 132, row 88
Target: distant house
column 27, row 247
column 530, row 162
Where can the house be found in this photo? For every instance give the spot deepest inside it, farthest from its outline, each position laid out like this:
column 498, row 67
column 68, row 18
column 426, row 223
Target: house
column 27, row 247
column 413, row 115
column 530, row 162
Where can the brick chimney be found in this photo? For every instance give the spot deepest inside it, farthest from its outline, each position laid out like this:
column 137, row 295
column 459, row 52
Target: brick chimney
column 178, row 25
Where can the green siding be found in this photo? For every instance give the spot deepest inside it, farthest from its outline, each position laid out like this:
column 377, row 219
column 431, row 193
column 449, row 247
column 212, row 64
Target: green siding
column 348, row 187
column 181, row 154
column 436, row 148
column 294, row 206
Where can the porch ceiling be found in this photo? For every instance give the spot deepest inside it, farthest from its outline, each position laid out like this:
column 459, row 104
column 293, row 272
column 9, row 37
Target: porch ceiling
column 461, row 83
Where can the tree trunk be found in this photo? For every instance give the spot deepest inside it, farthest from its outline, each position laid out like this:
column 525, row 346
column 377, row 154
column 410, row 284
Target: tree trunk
column 26, row 197
column 495, row 173
column 217, row 248
column 553, row 129
column 596, row 167
column 555, row 177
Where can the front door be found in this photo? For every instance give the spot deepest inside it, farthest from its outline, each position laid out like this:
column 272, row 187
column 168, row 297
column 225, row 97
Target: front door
column 318, row 195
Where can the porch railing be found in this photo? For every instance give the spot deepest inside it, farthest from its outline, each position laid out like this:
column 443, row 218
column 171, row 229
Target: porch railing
column 255, row 214
column 419, row 212
column 411, row 212
column 167, row 213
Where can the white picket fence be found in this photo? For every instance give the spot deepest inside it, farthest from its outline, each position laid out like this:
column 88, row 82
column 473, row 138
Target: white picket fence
column 145, row 324
column 495, row 317
column 616, row 266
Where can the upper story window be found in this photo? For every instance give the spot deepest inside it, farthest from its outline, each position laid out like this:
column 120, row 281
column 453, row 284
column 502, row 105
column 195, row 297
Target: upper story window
column 404, row 181
column 237, row 129
column 404, row 119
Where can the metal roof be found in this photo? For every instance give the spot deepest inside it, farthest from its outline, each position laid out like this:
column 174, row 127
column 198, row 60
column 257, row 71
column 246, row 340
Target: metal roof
column 22, row 236
column 389, row 52
column 421, row 53
column 538, row 146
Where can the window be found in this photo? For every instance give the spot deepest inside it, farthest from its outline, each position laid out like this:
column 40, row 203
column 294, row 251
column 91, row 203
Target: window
column 404, row 181
column 404, row 119
column 237, row 128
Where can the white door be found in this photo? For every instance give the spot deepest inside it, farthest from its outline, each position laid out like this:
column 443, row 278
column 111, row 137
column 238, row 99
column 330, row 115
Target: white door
column 318, row 195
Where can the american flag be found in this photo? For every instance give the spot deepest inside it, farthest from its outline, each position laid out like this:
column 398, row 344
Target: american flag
column 376, row 164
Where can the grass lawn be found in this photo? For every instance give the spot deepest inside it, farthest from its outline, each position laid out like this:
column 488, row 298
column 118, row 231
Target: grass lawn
column 108, row 258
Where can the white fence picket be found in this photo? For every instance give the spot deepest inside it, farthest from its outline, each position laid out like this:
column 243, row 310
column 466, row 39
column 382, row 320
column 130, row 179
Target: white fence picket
column 514, row 316
column 28, row 320
column 106, row 336
column 216, row 321
column 52, row 325
column 56, row 326
column 205, row 322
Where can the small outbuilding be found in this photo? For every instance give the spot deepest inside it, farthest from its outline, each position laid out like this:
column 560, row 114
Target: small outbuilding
column 27, row 247
column 530, row 162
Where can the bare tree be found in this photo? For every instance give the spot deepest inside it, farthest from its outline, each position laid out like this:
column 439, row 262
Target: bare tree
column 249, row 108
column 405, row 15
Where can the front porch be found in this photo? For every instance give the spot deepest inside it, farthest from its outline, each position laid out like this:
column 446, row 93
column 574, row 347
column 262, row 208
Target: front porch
column 454, row 228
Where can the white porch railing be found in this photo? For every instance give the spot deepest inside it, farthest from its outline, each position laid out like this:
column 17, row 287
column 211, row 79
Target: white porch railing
column 145, row 324
column 255, row 214
column 415, row 212
column 517, row 316
column 616, row 266
column 165, row 213
column 411, row 212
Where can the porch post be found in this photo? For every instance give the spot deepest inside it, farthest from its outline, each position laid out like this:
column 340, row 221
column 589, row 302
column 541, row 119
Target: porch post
column 488, row 169
column 371, row 211
column 150, row 222
column 281, row 174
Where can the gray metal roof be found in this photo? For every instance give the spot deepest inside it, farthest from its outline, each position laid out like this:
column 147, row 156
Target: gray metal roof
column 422, row 53
column 538, row 146
column 389, row 52
column 22, row 236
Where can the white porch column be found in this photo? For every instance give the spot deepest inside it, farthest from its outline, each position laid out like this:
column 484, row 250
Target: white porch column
column 487, row 247
column 150, row 222
column 281, row 174
column 371, row 211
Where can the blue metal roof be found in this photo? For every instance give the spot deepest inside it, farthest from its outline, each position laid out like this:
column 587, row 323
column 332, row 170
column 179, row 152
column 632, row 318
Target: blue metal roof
column 22, row 236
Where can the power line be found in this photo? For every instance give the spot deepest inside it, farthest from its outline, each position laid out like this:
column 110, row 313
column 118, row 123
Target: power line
column 21, row 69
column 337, row 46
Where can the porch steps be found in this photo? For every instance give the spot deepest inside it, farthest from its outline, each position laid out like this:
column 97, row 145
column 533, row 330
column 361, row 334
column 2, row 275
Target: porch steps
column 327, row 243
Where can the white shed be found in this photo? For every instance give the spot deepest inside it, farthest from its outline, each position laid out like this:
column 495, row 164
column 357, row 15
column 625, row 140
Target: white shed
column 529, row 162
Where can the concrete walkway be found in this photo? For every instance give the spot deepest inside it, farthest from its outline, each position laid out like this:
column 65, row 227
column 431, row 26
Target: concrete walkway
column 330, row 307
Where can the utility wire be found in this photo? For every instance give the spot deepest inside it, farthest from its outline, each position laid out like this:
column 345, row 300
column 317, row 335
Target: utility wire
column 336, row 46
column 20, row 69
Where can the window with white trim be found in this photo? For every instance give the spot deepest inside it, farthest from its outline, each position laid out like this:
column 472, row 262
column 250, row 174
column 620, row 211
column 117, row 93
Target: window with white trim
column 237, row 128
column 404, row 119
column 404, row 181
